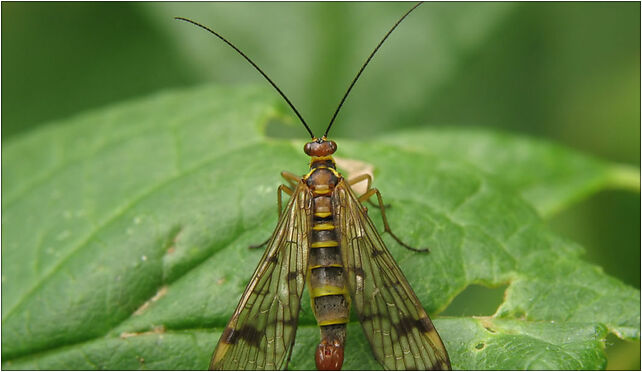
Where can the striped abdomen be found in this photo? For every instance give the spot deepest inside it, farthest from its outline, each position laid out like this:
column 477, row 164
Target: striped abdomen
column 327, row 285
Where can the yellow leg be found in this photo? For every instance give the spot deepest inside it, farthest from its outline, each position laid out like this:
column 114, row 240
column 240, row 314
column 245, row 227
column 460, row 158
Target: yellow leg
column 281, row 189
column 386, row 227
column 359, row 178
column 292, row 178
column 368, row 194
column 285, row 189
column 368, row 178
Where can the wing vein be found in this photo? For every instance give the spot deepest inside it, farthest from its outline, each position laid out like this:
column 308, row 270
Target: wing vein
column 399, row 331
column 261, row 332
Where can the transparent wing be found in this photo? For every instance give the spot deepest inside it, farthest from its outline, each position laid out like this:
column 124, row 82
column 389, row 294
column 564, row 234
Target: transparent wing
column 262, row 329
column 400, row 332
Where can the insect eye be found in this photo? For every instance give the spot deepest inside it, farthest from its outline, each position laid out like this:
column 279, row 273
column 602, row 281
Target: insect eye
column 333, row 146
column 309, row 148
column 323, row 148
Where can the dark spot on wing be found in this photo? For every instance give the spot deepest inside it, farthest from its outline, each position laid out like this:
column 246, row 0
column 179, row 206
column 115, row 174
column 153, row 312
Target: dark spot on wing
column 376, row 253
column 250, row 335
column 425, row 325
column 290, row 322
column 407, row 324
column 273, row 259
column 292, row 275
column 229, row 336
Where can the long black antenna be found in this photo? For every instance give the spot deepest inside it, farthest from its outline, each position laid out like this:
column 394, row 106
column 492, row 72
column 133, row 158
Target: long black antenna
column 255, row 66
column 364, row 66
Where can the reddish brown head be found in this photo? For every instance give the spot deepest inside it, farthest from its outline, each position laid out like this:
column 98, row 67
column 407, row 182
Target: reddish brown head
column 329, row 356
column 320, row 147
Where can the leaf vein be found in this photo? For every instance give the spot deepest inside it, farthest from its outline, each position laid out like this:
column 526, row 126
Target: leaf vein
column 120, row 211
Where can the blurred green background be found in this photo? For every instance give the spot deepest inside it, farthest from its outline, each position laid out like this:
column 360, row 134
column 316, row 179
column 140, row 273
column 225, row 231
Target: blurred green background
column 565, row 72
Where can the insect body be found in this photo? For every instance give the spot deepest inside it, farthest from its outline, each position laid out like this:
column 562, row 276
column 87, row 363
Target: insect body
column 325, row 237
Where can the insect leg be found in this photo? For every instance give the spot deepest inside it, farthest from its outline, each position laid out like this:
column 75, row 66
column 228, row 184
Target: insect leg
column 387, row 229
column 292, row 178
column 355, row 180
column 287, row 190
column 368, row 178
column 282, row 188
column 257, row 246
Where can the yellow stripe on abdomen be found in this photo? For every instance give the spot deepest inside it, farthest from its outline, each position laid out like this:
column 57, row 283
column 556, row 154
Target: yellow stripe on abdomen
column 327, row 290
column 334, row 321
column 325, row 244
column 323, row 226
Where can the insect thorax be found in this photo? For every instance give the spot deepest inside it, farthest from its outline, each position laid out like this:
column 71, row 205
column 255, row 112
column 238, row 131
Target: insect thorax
column 323, row 176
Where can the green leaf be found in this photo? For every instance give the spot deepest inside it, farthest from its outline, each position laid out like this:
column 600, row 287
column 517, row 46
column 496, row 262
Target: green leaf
column 555, row 178
column 125, row 235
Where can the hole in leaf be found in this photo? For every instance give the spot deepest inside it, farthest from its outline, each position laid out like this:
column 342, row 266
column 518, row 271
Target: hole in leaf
column 607, row 225
column 480, row 346
column 622, row 355
column 476, row 300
